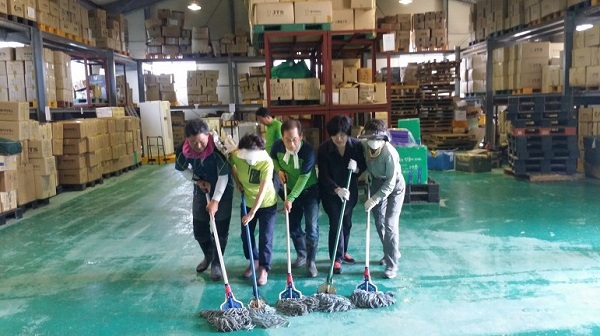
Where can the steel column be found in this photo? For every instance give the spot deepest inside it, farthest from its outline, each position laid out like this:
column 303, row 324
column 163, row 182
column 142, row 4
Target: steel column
column 458, row 78
column 111, row 80
column 490, row 134
column 40, row 72
column 569, row 30
column 141, row 87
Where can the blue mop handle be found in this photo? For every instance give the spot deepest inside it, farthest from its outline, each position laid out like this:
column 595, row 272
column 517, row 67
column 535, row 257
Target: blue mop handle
column 250, row 250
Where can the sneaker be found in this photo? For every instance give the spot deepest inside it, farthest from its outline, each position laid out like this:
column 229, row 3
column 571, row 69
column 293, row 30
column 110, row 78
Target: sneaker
column 311, row 269
column 389, row 273
column 248, row 271
column 216, row 273
column 262, row 276
column 300, row 261
column 203, row 265
column 348, row 259
column 337, row 268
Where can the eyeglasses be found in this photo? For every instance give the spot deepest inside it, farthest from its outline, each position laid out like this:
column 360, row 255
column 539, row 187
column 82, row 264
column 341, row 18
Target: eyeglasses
column 292, row 141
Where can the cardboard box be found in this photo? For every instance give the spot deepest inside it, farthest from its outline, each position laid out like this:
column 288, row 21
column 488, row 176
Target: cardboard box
column 281, row 89
column 586, row 114
column 43, row 166
column 9, row 180
column 306, row 88
column 340, row 4
column 14, row 130
column 365, row 75
column 531, row 65
column 75, row 129
column 337, row 70
column 362, row 4
column 45, row 186
column 348, row 96
column 92, row 144
column 343, row 19
column 74, row 146
column 26, row 189
column 380, row 92
column 350, row 74
column 592, row 36
column 93, row 158
column 364, row 19
column 581, row 57
column 71, row 161
column 592, row 76
column 577, row 77
column 73, row 176
column 8, row 201
column 57, row 147
column 274, row 13
column 313, row 12
column 473, row 162
column 14, row 111
column 539, row 50
column 366, row 93
column 40, row 149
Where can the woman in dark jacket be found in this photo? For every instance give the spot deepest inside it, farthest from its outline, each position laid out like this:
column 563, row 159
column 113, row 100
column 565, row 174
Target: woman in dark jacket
column 334, row 157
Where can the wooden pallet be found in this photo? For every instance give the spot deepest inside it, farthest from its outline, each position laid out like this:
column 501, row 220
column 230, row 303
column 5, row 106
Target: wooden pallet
column 14, row 214
column 163, row 56
column 533, row 177
column 82, row 186
column 525, row 91
column 544, row 131
column 553, row 16
column 63, row 104
column 48, row 29
column 36, row 204
column 442, row 48
column 22, row 20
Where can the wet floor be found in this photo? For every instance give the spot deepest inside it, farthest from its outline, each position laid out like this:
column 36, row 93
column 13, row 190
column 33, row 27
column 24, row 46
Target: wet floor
column 497, row 256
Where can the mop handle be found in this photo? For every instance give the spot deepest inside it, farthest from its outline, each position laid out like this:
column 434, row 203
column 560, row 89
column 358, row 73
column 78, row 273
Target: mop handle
column 339, row 231
column 250, row 250
column 287, row 231
column 213, row 226
column 368, row 238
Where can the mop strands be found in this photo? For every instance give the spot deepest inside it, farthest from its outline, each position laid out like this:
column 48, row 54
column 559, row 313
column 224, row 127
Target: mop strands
column 366, row 294
column 232, row 316
column 291, row 301
column 328, row 300
column 261, row 314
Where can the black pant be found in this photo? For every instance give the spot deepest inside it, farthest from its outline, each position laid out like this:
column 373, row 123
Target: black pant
column 333, row 209
column 265, row 217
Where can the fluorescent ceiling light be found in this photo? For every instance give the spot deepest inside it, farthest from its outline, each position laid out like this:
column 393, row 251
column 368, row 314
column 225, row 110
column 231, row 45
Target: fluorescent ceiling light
column 583, row 27
column 522, row 33
column 194, row 6
column 11, row 45
column 405, row 2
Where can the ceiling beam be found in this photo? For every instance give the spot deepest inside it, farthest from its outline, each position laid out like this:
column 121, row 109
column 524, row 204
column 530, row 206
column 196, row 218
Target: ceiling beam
column 126, row 6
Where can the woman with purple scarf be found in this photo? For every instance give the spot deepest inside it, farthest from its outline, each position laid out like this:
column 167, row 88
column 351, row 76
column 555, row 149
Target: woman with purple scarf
column 200, row 162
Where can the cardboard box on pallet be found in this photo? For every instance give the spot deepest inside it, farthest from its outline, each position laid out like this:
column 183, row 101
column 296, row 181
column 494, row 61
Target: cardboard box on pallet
column 9, row 180
column 14, row 111
column 73, row 176
column 26, row 189
column 313, row 12
column 8, row 201
column 273, row 13
column 43, row 166
column 45, row 185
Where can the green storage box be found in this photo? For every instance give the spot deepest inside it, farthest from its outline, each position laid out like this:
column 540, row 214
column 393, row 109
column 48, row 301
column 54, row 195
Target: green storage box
column 413, row 125
column 475, row 161
column 413, row 161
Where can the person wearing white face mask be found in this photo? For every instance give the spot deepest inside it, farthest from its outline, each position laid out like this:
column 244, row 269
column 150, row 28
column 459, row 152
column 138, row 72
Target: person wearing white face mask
column 387, row 187
column 253, row 172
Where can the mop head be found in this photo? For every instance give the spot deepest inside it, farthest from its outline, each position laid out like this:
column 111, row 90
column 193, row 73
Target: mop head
column 330, row 303
column 229, row 320
column 363, row 299
column 297, row 307
column 264, row 316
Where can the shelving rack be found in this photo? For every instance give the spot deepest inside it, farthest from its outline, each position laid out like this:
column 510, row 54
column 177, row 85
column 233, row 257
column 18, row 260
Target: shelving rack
column 564, row 26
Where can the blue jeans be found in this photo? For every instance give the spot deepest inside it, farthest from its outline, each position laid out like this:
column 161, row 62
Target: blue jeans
column 307, row 206
column 265, row 217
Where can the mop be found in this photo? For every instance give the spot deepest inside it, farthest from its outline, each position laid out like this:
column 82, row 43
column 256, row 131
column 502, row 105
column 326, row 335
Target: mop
column 261, row 313
column 366, row 294
column 329, row 301
column 232, row 316
column 291, row 301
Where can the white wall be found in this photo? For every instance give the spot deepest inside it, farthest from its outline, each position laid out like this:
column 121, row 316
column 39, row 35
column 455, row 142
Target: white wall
column 458, row 24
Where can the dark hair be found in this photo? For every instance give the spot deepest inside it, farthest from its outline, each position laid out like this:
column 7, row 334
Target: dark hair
column 262, row 112
column 339, row 124
column 290, row 124
column 252, row 141
column 195, row 127
column 375, row 126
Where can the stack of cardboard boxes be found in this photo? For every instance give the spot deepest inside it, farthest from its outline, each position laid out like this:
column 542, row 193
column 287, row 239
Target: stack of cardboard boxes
column 9, row 183
column 430, row 31
column 178, row 124
column 234, row 44
column 200, row 42
column 50, row 79
column 109, row 31
column 202, row 87
column 354, row 85
column 80, row 162
column 124, row 92
column 160, row 87
column 14, row 125
column 63, row 76
column 585, row 69
column 401, row 25
column 252, row 83
column 589, row 126
column 42, row 159
column 15, row 76
column 474, row 74
column 20, row 8
column 167, row 36
column 353, row 14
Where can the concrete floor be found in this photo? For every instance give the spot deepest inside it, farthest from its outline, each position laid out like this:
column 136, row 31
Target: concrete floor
column 497, row 256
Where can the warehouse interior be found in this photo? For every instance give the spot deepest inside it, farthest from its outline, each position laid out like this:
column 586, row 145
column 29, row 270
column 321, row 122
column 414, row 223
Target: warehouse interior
column 492, row 108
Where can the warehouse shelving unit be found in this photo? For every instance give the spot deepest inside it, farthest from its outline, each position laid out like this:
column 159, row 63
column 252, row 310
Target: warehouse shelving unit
column 32, row 35
column 564, row 26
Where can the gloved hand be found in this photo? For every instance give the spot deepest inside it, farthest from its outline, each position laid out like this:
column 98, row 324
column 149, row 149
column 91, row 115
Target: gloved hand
column 343, row 194
column 353, row 166
column 370, row 204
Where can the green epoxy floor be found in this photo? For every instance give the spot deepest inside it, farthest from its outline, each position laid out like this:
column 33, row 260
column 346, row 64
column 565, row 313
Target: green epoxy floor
column 497, row 256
